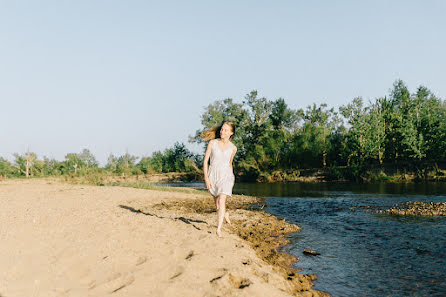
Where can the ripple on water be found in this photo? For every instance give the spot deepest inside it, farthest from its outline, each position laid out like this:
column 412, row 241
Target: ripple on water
column 365, row 254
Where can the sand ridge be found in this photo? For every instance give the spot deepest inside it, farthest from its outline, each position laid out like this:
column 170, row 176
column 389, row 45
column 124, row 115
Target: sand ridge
column 75, row 240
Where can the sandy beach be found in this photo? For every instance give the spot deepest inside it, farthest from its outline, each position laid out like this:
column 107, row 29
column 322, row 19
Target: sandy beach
column 59, row 239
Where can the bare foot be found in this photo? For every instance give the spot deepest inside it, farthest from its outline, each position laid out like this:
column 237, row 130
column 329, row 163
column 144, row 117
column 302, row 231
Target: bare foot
column 219, row 233
column 227, row 219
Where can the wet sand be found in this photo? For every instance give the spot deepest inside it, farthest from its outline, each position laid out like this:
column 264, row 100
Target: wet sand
column 59, row 239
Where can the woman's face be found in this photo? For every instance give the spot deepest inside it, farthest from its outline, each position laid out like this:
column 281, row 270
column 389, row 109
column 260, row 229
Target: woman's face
column 226, row 131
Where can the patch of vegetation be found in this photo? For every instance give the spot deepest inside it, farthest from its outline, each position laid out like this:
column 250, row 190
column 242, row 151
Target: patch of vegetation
column 417, row 209
column 208, row 205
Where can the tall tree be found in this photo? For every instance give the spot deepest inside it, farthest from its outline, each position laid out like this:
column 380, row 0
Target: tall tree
column 376, row 130
column 24, row 164
column 72, row 163
column 355, row 138
column 6, row 168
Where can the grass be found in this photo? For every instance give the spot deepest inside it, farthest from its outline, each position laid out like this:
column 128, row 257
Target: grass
column 104, row 180
column 151, row 186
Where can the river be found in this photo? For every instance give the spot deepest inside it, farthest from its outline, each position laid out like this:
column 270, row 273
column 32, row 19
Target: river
column 361, row 253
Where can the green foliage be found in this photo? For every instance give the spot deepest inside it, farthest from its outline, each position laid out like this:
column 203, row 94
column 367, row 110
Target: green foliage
column 6, row 168
column 264, row 131
column 150, row 165
column 175, row 159
column 81, row 163
column 271, row 137
column 24, row 164
column 123, row 165
column 51, row 167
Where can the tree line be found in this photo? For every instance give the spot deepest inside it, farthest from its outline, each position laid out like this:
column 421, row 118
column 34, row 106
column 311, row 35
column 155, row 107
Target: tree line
column 175, row 159
column 399, row 129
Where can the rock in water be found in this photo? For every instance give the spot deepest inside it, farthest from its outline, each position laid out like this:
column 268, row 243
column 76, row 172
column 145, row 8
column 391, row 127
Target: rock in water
column 310, row 252
column 417, row 209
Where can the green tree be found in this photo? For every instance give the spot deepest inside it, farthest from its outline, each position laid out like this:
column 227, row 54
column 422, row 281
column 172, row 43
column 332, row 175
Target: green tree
column 126, row 164
column 225, row 110
column 111, row 165
column 176, row 159
column 284, row 126
column 72, row 163
column 431, row 118
column 399, row 109
column 24, row 163
column 6, row 168
column 156, row 161
column 313, row 142
column 355, row 138
column 88, row 159
column 51, row 167
column 375, row 130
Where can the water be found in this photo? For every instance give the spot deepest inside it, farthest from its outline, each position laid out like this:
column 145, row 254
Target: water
column 362, row 253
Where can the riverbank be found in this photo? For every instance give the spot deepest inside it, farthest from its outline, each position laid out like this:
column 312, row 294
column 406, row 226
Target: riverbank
column 62, row 239
column 386, row 173
column 389, row 173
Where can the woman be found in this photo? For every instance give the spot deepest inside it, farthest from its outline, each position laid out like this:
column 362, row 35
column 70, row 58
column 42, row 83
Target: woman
column 219, row 177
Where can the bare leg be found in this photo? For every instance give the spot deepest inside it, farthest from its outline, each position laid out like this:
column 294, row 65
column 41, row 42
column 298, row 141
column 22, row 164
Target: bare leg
column 221, row 212
column 217, row 205
column 216, row 202
column 227, row 218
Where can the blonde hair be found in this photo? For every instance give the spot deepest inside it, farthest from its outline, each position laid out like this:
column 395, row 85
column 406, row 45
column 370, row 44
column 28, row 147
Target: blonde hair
column 214, row 132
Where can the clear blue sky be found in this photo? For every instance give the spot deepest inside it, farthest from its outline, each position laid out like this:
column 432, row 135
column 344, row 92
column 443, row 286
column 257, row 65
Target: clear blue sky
column 113, row 76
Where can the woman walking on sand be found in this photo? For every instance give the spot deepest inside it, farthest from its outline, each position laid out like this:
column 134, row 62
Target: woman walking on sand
column 219, row 176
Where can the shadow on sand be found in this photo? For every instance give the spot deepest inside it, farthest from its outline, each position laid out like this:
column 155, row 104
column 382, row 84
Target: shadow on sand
column 182, row 219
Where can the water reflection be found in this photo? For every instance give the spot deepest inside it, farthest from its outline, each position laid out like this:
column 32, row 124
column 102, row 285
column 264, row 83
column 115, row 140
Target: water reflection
column 329, row 189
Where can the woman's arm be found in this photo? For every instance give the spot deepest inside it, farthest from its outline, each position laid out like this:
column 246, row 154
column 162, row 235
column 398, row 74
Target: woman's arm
column 234, row 150
column 205, row 165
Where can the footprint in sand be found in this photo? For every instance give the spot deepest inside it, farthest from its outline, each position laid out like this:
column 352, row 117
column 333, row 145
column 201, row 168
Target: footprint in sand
column 190, row 255
column 229, row 280
column 179, row 271
column 141, row 260
column 216, row 278
column 114, row 283
column 121, row 282
column 223, row 272
column 239, row 282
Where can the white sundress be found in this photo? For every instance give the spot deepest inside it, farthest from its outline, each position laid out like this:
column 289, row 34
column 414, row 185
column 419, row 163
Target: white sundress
column 220, row 172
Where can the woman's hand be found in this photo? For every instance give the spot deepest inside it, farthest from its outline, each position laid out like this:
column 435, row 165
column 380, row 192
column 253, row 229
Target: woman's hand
column 208, row 184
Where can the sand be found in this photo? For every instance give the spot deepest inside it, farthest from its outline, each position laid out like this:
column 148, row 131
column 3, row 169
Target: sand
column 59, row 239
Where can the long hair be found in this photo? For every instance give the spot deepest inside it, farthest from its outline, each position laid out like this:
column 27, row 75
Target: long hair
column 214, row 132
